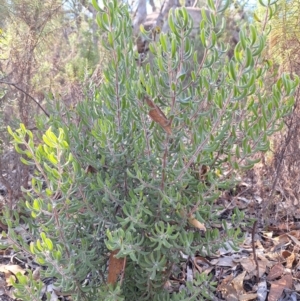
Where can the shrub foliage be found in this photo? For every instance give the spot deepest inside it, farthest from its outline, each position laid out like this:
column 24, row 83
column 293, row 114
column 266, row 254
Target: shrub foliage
column 136, row 168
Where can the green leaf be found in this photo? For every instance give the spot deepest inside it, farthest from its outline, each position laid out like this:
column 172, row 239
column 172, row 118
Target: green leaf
column 49, row 142
column 57, row 255
column 203, row 38
column 243, row 39
column 232, row 71
column 253, row 32
column 31, row 246
column 224, row 7
column 163, row 42
column 95, row 4
column 256, row 18
column 171, row 23
column 52, row 159
column 10, row 131
column 49, row 244
column 24, row 161
column 249, row 59
column 36, row 205
column 39, row 245
column 23, row 128
column 211, row 5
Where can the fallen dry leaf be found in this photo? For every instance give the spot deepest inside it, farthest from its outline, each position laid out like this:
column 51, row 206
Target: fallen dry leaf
column 278, row 286
column 294, row 239
column 296, row 213
column 297, row 286
column 250, row 266
column 201, row 263
column 201, row 260
column 90, row 169
column 242, row 203
column 285, row 254
column 295, row 233
column 228, row 291
column 290, row 260
column 262, row 290
column 189, row 274
column 116, row 267
column 36, row 273
column 192, row 220
column 267, row 234
column 273, row 256
column 281, row 240
column 226, row 261
column 158, row 116
column 11, row 270
column 238, row 283
column 196, row 223
column 276, row 271
column 247, row 297
column 199, row 269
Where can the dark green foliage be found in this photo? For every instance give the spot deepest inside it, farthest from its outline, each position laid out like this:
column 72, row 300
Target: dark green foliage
column 117, row 181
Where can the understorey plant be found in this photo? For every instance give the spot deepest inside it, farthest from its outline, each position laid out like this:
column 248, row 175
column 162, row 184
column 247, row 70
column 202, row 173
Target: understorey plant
column 136, row 168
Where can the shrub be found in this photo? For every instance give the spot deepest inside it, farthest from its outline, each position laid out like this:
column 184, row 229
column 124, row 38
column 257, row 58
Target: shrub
column 137, row 168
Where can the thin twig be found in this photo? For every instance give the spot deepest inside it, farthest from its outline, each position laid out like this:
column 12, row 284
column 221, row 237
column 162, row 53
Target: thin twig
column 290, row 132
column 254, row 250
column 20, row 89
column 164, row 163
column 195, row 3
column 123, row 271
